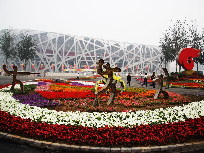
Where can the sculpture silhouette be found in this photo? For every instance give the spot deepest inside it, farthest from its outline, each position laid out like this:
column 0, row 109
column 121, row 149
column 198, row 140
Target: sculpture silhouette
column 167, row 77
column 110, row 81
column 14, row 73
column 161, row 80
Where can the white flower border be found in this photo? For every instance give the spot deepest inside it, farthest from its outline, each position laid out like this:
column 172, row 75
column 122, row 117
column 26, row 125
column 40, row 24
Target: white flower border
column 100, row 119
column 91, row 83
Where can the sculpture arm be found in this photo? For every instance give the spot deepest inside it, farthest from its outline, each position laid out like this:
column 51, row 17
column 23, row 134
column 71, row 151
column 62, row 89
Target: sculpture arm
column 6, row 70
column 99, row 66
column 97, row 84
column 123, row 84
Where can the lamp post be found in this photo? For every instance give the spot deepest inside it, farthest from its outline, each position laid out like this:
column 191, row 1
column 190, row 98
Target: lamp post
column 127, row 69
column 147, row 68
column 62, row 67
column 136, row 69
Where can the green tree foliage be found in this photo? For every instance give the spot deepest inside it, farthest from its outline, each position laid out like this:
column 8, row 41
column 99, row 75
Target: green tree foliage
column 26, row 48
column 7, row 45
column 197, row 41
column 177, row 37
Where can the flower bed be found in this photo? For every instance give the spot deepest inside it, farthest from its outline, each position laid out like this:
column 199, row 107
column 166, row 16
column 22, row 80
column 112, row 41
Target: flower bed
column 159, row 134
column 133, row 125
column 190, row 83
column 187, row 79
column 86, row 78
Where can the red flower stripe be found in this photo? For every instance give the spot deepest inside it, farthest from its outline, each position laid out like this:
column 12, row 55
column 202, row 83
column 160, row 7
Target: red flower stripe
column 107, row 136
column 62, row 95
column 3, row 86
column 188, row 84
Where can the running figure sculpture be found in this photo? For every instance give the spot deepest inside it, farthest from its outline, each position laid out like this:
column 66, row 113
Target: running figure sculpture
column 14, row 73
column 160, row 90
column 110, row 81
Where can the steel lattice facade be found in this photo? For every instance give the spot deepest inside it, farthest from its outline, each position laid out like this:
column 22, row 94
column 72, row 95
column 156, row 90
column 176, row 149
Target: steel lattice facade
column 56, row 52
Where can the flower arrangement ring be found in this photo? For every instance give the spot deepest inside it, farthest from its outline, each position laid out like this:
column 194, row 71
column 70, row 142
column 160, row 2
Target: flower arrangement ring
column 23, row 115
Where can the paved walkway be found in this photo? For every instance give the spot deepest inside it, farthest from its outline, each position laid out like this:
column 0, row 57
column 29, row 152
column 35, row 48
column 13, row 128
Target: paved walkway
column 176, row 90
column 11, row 146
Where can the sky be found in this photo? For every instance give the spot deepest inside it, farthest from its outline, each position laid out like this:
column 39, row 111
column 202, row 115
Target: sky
column 133, row 21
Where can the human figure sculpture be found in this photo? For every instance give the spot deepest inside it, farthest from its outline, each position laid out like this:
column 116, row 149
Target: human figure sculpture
column 99, row 67
column 14, row 73
column 160, row 90
column 153, row 78
column 166, row 77
column 110, row 81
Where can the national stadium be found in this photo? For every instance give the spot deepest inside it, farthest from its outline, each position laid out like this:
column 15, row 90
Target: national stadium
column 56, row 53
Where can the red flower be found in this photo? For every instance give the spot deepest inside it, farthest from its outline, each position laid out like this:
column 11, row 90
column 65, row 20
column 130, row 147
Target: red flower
column 3, row 86
column 62, row 95
column 160, row 134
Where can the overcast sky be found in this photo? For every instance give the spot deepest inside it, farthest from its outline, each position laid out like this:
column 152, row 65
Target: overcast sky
column 133, row 21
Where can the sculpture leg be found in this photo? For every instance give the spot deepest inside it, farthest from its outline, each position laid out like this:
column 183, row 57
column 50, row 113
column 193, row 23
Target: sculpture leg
column 166, row 95
column 157, row 94
column 21, row 85
column 113, row 94
column 122, row 83
column 112, row 98
column 14, row 81
column 95, row 103
column 105, row 88
column 167, row 83
column 13, row 84
column 96, row 85
column 101, row 91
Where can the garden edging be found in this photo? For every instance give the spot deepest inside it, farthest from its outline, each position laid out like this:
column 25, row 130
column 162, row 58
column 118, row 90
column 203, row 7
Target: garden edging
column 56, row 146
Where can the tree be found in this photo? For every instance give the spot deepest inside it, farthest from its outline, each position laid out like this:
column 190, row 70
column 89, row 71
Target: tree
column 167, row 51
column 26, row 49
column 179, row 36
column 197, row 41
column 7, row 45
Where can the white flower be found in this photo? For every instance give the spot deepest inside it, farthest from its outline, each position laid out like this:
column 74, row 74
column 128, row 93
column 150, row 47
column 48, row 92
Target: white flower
column 86, row 82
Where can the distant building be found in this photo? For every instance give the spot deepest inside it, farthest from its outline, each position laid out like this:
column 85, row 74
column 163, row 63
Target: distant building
column 58, row 52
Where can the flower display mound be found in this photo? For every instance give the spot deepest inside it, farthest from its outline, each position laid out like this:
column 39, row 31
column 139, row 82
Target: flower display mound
column 190, row 74
column 77, row 96
column 187, row 79
column 62, row 112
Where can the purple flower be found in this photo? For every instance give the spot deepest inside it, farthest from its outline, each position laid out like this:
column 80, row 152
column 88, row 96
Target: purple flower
column 79, row 84
column 41, row 83
column 35, row 100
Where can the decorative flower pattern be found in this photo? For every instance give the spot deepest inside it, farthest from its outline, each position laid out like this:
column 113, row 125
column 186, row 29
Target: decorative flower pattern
column 132, row 128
